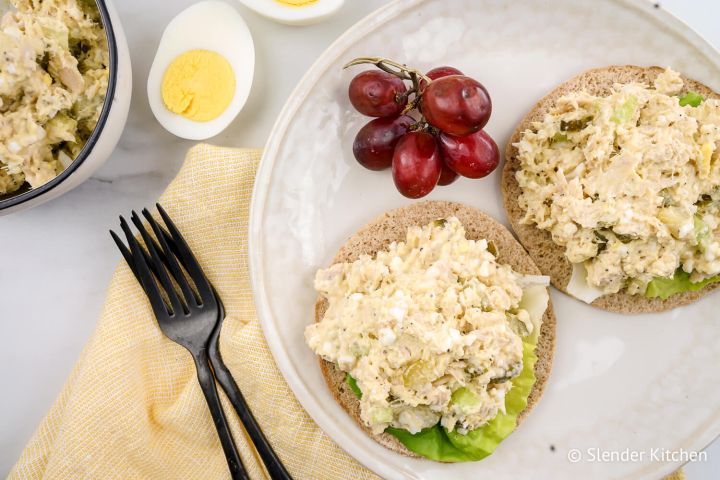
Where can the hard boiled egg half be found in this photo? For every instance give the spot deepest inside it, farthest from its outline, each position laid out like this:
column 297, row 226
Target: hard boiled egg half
column 202, row 72
column 294, row 12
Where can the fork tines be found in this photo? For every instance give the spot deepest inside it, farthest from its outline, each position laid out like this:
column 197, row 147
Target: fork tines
column 163, row 264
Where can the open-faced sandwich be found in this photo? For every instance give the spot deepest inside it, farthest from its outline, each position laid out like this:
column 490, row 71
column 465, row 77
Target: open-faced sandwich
column 612, row 184
column 435, row 331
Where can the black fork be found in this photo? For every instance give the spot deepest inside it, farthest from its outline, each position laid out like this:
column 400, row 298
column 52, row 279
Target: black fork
column 174, row 249
column 187, row 318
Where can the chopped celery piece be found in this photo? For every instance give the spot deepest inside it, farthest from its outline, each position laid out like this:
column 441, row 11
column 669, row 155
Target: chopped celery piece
column 693, row 99
column 465, row 398
column 381, row 415
column 702, row 231
column 626, row 111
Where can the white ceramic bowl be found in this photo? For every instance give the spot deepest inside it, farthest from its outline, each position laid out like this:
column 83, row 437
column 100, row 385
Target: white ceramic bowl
column 107, row 132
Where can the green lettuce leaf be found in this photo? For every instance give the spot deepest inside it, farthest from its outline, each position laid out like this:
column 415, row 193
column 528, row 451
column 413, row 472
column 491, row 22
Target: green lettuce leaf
column 432, row 443
column 693, row 99
column 353, row 385
column 679, row 283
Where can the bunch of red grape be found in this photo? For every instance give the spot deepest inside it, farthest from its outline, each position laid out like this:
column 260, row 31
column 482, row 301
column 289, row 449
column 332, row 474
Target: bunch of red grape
column 428, row 133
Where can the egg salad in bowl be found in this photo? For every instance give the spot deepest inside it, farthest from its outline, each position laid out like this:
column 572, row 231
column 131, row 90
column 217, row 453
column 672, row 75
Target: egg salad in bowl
column 65, row 90
column 54, row 71
column 436, row 337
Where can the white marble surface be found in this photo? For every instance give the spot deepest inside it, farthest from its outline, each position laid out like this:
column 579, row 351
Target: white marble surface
column 56, row 260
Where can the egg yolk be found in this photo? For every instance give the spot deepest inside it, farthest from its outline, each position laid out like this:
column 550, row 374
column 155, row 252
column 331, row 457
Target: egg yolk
column 296, row 3
column 199, row 85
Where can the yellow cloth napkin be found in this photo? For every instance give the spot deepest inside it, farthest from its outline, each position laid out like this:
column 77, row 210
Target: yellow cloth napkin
column 132, row 408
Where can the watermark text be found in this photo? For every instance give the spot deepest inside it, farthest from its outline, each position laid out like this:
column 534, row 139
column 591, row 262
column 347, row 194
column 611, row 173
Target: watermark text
column 599, row 455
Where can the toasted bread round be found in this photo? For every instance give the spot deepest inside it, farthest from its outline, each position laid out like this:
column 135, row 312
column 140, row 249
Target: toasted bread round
column 393, row 226
column 547, row 254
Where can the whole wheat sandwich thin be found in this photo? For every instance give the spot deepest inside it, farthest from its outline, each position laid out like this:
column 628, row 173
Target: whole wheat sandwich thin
column 378, row 236
column 640, row 115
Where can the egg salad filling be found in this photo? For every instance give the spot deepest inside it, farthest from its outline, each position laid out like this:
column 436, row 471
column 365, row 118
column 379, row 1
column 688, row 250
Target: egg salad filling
column 430, row 330
column 629, row 185
column 53, row 79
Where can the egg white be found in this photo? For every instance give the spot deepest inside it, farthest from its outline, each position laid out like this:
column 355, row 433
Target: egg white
column 210, row 25
column 294, row 15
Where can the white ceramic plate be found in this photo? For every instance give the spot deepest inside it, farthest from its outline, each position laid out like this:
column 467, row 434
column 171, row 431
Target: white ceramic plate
column 619, row 382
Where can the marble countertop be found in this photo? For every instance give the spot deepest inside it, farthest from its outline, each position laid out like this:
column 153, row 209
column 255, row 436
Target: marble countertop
column 57, row 259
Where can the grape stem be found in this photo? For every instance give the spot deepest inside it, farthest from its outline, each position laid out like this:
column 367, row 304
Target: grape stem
column 392, row 67
column 422, row 126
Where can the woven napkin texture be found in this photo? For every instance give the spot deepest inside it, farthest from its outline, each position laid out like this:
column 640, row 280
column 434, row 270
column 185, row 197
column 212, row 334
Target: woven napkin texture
column 132, row 408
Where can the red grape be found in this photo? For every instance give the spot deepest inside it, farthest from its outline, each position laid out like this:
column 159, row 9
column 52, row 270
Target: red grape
column 472, row 156
column 377, row 94
column 439, row 72
column 416, row 164
column 457, row 105
column 375, row 142
column 447, row 176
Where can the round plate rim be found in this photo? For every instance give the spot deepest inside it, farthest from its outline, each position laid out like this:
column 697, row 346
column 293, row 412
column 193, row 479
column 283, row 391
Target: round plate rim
column 260, row 191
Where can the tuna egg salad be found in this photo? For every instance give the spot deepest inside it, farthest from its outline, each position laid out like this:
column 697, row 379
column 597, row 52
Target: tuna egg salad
column 430, row 330
column 629, row 185
column 54, row 71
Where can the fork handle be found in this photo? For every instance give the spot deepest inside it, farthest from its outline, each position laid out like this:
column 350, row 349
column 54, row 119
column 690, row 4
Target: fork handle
column 273, row 465
column 207, row 384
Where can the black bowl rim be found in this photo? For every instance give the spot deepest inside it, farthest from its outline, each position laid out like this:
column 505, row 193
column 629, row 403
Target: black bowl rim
column 102, row 120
